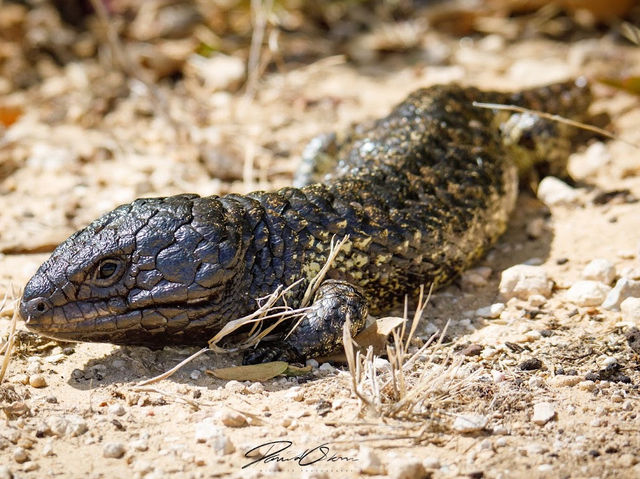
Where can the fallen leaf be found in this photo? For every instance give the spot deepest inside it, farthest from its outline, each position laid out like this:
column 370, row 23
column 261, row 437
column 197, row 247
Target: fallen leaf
column 297, row 371
column 630, row 84
column 252, row 372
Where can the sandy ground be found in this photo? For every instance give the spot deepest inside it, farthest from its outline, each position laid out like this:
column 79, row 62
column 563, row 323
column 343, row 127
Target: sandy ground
column 74, row 155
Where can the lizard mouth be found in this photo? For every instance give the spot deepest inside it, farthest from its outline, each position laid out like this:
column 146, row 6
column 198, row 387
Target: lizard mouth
column 147, row 326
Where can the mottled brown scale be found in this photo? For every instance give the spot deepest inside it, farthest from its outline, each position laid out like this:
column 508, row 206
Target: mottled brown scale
column 421, row 193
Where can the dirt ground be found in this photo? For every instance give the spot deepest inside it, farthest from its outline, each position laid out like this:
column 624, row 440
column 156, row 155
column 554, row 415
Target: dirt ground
column 89, row 137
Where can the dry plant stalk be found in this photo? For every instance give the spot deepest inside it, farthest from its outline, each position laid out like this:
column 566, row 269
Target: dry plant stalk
column 7, row 346
column 557, row 118
column 398, row 391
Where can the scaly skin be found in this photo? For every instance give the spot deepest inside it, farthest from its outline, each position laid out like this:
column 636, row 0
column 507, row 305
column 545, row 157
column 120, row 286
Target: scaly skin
column 421, row 193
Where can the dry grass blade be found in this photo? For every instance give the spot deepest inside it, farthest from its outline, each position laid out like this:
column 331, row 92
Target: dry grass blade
column 549, row 116
column 261, row 11
column 7, row 347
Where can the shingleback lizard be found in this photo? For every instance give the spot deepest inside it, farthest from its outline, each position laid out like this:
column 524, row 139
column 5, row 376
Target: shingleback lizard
column 421, row 193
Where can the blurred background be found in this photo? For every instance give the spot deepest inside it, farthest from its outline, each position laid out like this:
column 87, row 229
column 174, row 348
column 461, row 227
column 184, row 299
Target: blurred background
column 103, row 101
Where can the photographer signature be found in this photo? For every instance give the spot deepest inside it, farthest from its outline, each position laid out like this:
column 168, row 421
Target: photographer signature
column 273, row 452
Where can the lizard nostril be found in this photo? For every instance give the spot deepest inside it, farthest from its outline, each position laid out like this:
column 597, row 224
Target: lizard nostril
column 41, row 307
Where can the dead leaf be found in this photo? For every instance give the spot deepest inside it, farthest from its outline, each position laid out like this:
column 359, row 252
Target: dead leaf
column 252, row 372
column 630, row 84
column 375, row 335
column 297, row 371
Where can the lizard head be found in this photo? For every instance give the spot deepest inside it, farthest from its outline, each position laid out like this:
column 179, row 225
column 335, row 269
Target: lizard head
column 144, row 273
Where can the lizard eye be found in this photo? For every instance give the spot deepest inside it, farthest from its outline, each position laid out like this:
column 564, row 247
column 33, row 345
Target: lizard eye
column 108, row 271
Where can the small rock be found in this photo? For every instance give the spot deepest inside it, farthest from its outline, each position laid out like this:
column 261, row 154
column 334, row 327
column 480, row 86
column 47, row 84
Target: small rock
column 472, row 350
column 256, row 388
column 231, row 418
column 469, row 423
column 195, row 374
column 586, row 164
column 369, row 462
column 543, row 412
column 20, row 455
column 536, row 382
column 326, row 367
column 37, row 381
column 535, row 228
column 72, row 425
column 295, row 394
column 497, row 376
column 234, row 386
column 588, row 293
column 5, row 472
column 139, row 445
column 522, row 281
column 552, row 192
column 113, row 449
column 626, row 254
column 601, row 270
column 537, row 300
column 312, row 362
column 531, row 364
column 623, row 289
column 493, row 311
column 630, row 308
column 117, row 410
column 587, row 385
column 408, row 468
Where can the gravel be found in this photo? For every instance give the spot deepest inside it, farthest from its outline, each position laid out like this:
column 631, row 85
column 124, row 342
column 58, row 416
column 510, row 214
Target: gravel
column 624, row 288
column 369, row 462
column 630, row 309
column 470, row 423
column 552, row 192
column 113, row 449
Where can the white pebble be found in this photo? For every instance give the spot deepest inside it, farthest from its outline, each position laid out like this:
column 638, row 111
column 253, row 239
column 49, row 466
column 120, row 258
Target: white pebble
column 585, row 164
column 497, row 376
column 71, row 424
column 139, row 445
column 369, row 462
column 522, row 281
column 588, row 293
column 601, row 270
column 535, row 382
column 326, row 367
column 217, row 72
column 408, row 468
column 468, row 423
column 231, row 418
column 234, row 386
column 295, row 394
column 537, row 300
column 545, row 467
column 543, row 412
column 552, row 191
column 608, row 361
column 113, row 449
column 20, row 455
column 431, row 463
column 5, row 472
column 312, row 362
column 493, row 311
column 117, row 410
column 624, row 288
column 630, row 308
column 256, row 388
column 195, row 374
